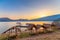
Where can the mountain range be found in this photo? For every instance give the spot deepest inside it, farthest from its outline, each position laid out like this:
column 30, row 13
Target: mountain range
column 5, row 19
column 47, row 18
column 8, row 20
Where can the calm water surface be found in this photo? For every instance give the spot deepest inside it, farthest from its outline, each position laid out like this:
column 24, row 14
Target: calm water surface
column 6, row 25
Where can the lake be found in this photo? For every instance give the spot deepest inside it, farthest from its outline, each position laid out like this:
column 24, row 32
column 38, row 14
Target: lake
column 6, row 25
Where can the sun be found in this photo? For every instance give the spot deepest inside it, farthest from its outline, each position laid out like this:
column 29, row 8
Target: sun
column 43, row 15
column 45, row 12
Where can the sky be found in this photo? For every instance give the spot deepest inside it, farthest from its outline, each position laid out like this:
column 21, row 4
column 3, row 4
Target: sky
column 28, row 9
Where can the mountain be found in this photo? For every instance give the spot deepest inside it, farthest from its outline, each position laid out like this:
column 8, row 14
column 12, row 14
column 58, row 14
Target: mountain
column 8, row 19
column 57, row 19
column 5, row 19
column 48, row 18
column 21, row 20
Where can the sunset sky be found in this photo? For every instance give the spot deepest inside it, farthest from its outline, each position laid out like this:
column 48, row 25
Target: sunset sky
column 28, row 9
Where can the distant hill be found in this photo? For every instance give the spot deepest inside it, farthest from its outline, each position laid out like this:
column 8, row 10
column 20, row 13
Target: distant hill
column 5, row 19
column 22, row 20
column 57, row 19
column 48, row 18
column 8, row 19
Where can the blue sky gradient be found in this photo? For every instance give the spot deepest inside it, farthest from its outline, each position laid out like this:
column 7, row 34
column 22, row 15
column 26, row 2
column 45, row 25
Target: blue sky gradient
column 25, row 8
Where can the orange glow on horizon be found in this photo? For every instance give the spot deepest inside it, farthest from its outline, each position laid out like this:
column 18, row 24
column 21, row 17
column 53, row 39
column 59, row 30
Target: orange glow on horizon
column 35, row 14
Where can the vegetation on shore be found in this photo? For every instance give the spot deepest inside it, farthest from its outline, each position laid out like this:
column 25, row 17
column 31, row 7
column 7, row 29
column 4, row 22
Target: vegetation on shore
column 29, row 34
column 23, row 35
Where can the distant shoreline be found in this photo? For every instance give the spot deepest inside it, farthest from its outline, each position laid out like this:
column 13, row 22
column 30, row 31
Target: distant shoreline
column 21, row 21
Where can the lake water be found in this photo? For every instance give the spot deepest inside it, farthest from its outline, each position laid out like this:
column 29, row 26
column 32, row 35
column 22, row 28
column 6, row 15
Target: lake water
column 6, row 25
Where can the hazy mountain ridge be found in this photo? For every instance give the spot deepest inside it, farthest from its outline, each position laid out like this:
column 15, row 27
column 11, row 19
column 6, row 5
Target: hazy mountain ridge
column 48, row 18
column 5, row 19
column 8, row 19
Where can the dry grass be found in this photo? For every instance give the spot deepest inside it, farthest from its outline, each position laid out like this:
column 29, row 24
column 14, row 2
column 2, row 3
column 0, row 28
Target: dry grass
column 42, row 35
